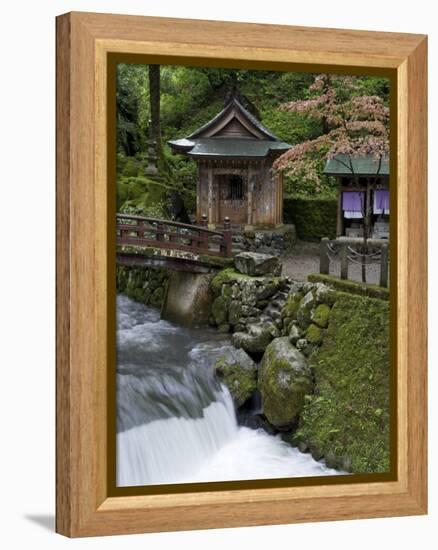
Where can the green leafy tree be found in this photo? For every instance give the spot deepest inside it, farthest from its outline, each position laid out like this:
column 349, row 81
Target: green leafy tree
column 132, row 93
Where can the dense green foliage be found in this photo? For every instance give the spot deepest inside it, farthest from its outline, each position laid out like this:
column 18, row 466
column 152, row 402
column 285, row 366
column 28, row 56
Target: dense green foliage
column 313, row 218
column 190, row 97
column 132, row 95
column 346, row 420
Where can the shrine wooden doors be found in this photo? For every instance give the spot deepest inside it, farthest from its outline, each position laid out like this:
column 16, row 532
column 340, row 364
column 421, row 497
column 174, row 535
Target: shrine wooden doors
column 232, row 194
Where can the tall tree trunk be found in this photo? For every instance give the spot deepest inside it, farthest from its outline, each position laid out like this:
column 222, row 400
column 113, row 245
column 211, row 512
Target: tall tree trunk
column 154, row 93
column 365, row 217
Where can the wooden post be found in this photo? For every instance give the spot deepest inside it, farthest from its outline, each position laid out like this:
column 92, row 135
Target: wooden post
column 250, row 192
column 228, row 243
column 384, row 257
column 339, row 221
column 367, row 225
column 280, row 191
column 198, row 196
column 203, row 236
column 324, row 260
column 160, row 232
column 273, row 195
column 344, row 262
column 210, row 195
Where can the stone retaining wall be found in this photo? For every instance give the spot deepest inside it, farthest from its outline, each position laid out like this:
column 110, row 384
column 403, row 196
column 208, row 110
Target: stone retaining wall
column 146, row 285
column 244, row 305
column 318, row 358
column 276, row 241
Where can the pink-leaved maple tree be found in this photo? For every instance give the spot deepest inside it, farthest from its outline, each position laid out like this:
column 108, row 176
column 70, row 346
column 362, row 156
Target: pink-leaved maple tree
column 353, row 125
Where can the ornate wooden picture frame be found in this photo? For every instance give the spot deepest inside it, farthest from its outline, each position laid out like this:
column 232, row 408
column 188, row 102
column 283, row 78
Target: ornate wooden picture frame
column 87, row 47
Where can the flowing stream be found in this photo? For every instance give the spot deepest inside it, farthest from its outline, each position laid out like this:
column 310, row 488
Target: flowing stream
column 175, row 421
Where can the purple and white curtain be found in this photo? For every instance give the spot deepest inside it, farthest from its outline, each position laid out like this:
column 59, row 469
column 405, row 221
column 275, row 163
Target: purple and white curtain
column 353, row 201
column 352, row 204
column 381, row 201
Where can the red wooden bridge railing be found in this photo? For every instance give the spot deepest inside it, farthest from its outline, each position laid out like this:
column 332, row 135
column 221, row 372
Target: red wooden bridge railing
column 151, row 232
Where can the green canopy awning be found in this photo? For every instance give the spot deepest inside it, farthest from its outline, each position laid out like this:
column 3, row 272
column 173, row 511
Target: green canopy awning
column 347, row 165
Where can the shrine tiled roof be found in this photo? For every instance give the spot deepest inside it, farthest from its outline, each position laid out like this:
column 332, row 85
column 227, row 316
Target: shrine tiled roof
column 233, row 133
column 229, row 147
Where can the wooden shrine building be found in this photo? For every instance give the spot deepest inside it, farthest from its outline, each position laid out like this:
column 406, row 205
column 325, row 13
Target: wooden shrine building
column 234, row 153
column 363, row 189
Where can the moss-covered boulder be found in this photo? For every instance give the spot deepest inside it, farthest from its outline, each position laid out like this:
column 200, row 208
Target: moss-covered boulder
column 320, row 316
column 304, row 310
column 284, row 380
column 255, row 340
column 219, row 310
column 323, row 294
column 268, row 288
column 314, row 334
column 254, row 263
column 220, row 279
column 235, row 312
column 239, row 373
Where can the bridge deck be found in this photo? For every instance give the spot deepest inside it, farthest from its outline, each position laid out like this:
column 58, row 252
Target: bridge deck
column 175, row 263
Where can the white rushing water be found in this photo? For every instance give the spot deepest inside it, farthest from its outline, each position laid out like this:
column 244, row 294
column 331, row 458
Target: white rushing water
column 175, row 422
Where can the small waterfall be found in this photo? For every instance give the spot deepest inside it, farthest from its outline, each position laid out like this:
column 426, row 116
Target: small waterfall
column 172, row 449
column 175, row 422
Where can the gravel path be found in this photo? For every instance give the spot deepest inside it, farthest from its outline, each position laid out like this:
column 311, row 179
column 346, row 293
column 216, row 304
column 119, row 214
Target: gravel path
column 304, row 259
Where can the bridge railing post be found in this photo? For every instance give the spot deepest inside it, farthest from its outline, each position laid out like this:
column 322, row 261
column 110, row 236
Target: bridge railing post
column 228, row 243
column 203, row 236
column 140, row 229
column 160, row 232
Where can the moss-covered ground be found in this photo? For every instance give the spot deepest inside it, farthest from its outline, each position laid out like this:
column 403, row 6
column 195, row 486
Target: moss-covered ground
column 353, row 287
column 347, row 418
